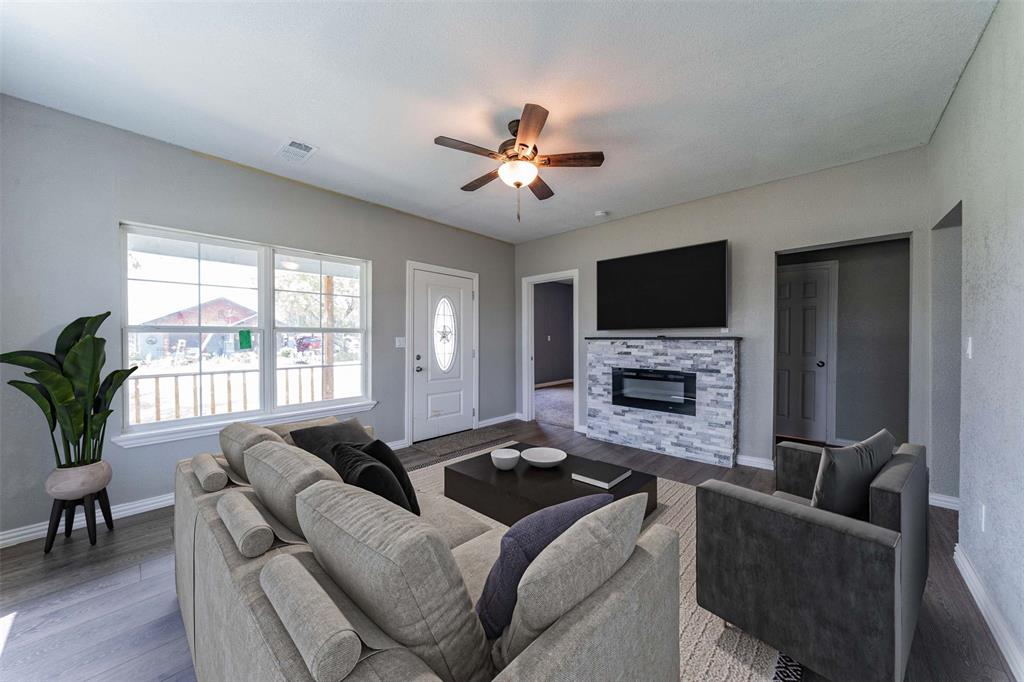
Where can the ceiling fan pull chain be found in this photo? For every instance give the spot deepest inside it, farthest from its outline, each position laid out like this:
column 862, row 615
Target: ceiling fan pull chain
column 518, row 192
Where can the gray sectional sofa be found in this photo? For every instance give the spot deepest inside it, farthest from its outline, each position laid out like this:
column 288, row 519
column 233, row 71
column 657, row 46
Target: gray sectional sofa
column 356, row 588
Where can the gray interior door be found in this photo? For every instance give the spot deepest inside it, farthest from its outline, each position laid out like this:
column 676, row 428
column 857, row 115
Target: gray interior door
column 802, row 327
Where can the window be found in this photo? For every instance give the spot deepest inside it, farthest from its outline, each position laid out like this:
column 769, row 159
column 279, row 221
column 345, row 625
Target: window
column 318, row 328
column 444, row 334
column 202, row 313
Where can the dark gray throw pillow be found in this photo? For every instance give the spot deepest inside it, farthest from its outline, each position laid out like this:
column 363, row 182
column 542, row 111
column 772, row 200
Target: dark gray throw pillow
column 526, row 539
column 360, row 469
column 321, row 439
column 383, row 453
column 845, row 474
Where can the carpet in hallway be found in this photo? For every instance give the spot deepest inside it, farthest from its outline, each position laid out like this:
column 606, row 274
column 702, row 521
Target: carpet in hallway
column 553, row 405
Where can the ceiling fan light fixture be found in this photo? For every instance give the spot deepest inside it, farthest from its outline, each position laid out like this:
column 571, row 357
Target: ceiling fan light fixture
column 517, row 173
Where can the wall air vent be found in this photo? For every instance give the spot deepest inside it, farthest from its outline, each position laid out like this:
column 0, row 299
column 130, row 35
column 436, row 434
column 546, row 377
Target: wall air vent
column 296, row 152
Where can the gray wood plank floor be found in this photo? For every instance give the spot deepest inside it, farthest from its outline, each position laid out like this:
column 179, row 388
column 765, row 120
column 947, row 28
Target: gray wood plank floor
column 109, row 612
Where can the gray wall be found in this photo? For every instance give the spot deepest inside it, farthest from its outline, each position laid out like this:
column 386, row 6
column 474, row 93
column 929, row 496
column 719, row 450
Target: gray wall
column 873, row 344
column 882, row 196
column 977, row 156
column 67, row 182
column 552, row 332
column 946, row 275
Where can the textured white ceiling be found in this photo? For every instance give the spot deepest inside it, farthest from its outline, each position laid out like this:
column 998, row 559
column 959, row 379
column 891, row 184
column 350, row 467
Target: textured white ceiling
column 686, row 99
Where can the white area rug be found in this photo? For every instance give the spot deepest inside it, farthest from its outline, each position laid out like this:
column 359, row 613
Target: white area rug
column 707, row 649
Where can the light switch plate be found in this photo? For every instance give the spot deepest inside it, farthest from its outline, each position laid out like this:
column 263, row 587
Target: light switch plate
column 399, row 342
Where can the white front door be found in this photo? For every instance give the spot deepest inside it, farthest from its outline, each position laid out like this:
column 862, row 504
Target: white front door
column 442, row 351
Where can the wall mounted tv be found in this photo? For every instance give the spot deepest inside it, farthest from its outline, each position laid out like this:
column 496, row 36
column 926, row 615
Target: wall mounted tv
column 677, row 288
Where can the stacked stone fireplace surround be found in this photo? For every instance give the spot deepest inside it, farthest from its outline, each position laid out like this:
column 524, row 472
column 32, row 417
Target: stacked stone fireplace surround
column 708, row 436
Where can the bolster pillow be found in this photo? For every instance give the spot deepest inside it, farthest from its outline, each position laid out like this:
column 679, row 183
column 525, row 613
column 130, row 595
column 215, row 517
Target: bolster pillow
column 250, row 531
column 211, row 475
column 326, row 640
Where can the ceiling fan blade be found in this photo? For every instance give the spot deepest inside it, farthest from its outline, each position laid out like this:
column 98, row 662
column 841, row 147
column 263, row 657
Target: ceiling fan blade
column 572, row 160
column 540, row 189
column 480, row 182
column 530, row 125
column 452, row 143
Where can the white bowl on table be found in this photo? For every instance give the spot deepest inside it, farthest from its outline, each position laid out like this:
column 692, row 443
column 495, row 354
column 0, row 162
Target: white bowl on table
column 544, row 458
column 505, row 458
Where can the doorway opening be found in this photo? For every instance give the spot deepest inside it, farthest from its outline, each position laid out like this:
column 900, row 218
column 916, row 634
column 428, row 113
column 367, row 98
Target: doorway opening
column 842, row 342
column 550, row 342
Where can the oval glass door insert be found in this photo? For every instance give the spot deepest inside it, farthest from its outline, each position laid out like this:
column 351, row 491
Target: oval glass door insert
column 444, row 334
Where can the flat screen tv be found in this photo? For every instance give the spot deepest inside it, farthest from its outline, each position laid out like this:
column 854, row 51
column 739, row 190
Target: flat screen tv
column 672, row 289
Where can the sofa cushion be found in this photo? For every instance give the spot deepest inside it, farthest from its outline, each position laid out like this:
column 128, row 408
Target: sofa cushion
column 285, row 430
column 320, row 439
column 250, row 531
column 455, row 523
column 278, row 472
column 328, row 643
column 363, row 471
column 844, row 475
column 399, row 571
column 236, row 438
column 526, row 539
column 574, row 565
column 209, row 473
column 383, row 453
column 475, row 559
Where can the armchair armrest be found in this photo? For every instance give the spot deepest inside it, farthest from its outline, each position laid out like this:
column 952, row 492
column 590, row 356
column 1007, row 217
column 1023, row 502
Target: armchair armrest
column 796, row 468
column 821, row 587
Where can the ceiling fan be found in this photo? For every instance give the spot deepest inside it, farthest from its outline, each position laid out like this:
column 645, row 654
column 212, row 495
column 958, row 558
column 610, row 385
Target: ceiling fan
column 519, row 156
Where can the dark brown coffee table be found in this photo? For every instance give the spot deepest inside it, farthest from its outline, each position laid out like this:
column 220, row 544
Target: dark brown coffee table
column 507, row 496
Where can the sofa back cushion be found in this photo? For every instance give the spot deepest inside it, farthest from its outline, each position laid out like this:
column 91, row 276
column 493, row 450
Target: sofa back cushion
column 845, row 475
column 278, row 472
column 399, row 571
column 236, row 438
column 523, row 542
column 573, row 566
column 285, row 430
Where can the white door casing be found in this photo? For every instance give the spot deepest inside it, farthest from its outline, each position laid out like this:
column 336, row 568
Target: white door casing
column 805, row 329
column 442, row 344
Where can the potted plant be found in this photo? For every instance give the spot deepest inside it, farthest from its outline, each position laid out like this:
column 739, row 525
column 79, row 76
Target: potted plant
column 67, row 388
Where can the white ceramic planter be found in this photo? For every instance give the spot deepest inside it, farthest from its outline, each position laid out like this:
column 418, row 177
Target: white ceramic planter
column 75, row 483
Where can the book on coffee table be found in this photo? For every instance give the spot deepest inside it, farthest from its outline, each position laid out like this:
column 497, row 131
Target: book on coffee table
column 599, row 474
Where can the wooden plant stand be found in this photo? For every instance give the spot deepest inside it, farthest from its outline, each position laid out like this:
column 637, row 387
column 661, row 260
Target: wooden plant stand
column 66, row 508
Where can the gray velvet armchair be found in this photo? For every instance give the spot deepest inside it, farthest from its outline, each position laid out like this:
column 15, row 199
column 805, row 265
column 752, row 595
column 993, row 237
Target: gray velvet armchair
column 839, row 595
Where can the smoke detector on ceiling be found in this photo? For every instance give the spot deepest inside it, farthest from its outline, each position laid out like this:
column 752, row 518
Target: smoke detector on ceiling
column 296, row 152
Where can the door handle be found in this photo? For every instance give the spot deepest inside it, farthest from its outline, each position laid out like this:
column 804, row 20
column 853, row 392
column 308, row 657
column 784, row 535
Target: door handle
column 821, row 363
column 419, row 369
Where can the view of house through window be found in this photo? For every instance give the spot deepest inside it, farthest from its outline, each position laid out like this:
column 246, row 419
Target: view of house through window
column 318, row 329
column 197, row 333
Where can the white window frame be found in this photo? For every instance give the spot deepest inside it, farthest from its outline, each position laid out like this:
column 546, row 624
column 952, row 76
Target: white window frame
column 134, row 435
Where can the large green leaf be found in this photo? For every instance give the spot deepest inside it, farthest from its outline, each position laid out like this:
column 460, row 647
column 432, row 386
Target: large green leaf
column 60, row 389
column 41, row 398
column 97, row 421
column 31, row 359
column 83, row 326
column 71, row 418
column 109, row 387
column 82, row 367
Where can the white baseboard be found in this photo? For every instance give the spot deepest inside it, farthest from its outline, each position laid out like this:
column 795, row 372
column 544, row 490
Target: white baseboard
column 1013, row 651
column 580, row 428
column 944, row 501
column 399, row 444
column 15, row 536
column 546, row 384
column 498, row 420
column 756, row 462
